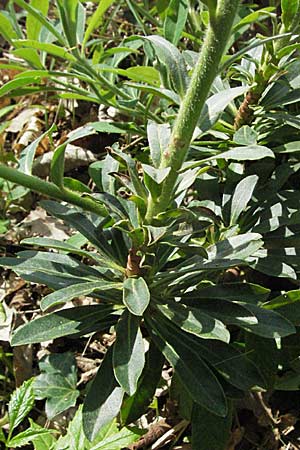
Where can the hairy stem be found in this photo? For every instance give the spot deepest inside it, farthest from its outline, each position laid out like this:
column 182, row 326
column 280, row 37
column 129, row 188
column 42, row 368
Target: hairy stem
column 203, row 76
column 50, row 190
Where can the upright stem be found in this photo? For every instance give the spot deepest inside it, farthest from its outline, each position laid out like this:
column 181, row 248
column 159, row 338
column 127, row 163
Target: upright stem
column 206, row 69
column 50, row 190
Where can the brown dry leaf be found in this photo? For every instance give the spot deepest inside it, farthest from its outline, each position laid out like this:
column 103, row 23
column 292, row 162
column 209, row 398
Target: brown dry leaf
column 6, row 318
column 235, row 438
column 23, row 118
column 22, row 362
column 156, row 431
column 38, row 223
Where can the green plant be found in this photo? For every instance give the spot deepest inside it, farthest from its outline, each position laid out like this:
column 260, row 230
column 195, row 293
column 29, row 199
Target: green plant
column 162, row 251
column 22, row 401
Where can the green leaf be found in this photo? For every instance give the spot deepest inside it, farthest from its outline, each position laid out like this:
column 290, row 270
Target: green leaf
column 198, row 379
column 33, row 26
column 269, row 325
column 51, row 49
column 210, row 431
column 96, row 19
column 57, row 383
column 84, row 225
column 74, row 438
column 158, row 138
column 170, row 58
column 245, row 136
column 247, row 153
column 103, row 400
column 243, row 292
column 176, row 16
column 121, row 439
column 195, row 321
column 241, row 196
column 42, row 441
column 27, row 154
column 235, row 247
column 61, row 323
column 135, row 406
column 72, row 16
column 290, row 10
column 228, row 312
column 15, row 84
column 215, row 106
column 128, row 354
column 6, row 28
column 57, row 167
column 21, row 402
column 76, row 290
column 69, row 248
column 27, row 436
column 37, row 14
column 232, row 364
column 136, row 295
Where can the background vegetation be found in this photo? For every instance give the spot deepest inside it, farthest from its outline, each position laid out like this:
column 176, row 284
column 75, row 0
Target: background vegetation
column 153, row 300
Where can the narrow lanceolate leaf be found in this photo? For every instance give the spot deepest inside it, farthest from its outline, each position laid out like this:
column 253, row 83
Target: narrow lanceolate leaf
column 195, row 321
column 33, row 26
column 21, row 402
column 135, row 406
column 104, row 399
column 128, row 354
column 58, row 166
column 61, row 323
column 170, row 57
column 76, row 290
column 200, row 382
column 290, row 10
column 232, row 364
column 208, row 430
column 176, row 16
column 158, row 138
column 242, row 194
column 269, row 323
column 136, row 295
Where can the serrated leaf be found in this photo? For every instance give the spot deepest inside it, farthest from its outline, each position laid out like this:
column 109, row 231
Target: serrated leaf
column 128, row 354
column 21, row 402
column 241, row 196
column 57, row 383
column 27, row 436
column 103, row 400
column 61, row 323
column 136, row 295
column 74, row 438
column 43, row 441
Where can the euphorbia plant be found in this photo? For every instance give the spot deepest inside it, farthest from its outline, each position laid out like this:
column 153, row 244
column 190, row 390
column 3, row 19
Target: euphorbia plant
column 154, row 276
